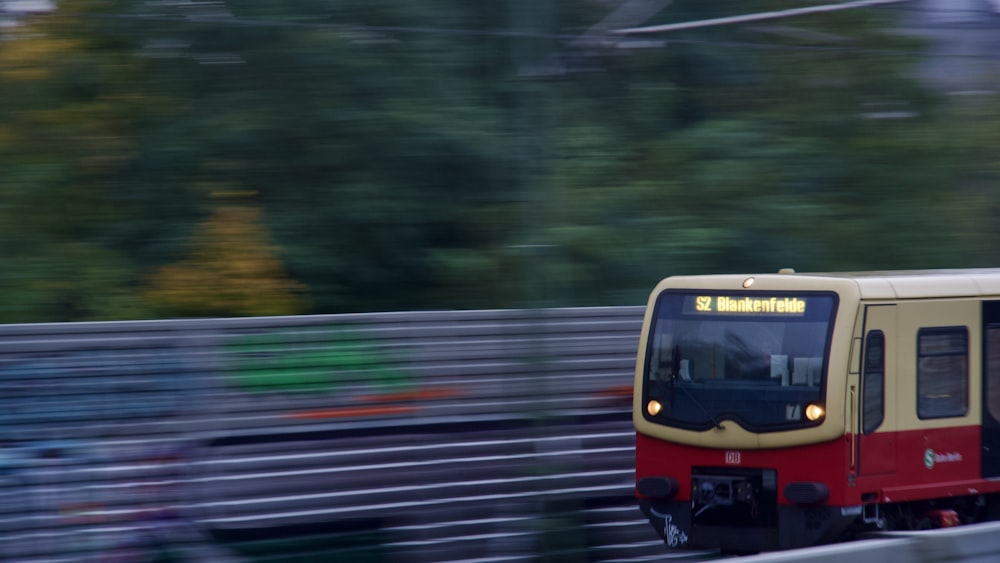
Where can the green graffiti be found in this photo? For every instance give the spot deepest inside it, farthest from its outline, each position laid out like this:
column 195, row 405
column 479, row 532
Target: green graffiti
column 324, row 359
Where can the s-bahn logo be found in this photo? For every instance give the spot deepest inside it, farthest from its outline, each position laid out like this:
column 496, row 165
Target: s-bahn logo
column 931, row 458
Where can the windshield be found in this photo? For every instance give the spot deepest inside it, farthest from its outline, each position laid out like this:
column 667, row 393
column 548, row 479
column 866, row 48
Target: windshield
column 756, row 359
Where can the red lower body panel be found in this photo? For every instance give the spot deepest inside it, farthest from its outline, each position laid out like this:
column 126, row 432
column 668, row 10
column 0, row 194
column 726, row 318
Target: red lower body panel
column 757, row 500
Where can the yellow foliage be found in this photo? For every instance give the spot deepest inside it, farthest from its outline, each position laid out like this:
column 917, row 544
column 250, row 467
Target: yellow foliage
column 231, row 270
column 28, row 56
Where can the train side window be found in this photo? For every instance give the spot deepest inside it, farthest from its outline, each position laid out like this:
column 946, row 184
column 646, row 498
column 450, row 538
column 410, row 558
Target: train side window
column 942, row 372
column 873, row 384
column 993, row 371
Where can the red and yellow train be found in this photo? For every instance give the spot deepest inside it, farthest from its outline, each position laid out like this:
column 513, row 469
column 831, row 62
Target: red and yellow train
column 784, row 410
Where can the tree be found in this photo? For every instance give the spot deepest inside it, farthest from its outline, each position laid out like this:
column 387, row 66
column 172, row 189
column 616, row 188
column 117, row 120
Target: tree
column 232, row 269
column 444, row 154
column 74, row 106
column 731, row 150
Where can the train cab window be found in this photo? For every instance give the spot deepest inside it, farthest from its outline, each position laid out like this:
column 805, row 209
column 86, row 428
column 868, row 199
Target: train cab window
column 873, row 390
column 942, row 372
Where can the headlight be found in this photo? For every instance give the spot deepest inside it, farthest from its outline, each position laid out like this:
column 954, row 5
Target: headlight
column 654, row 407
column 814, row 412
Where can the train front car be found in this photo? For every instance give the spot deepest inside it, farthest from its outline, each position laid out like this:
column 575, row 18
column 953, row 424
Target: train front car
column 741, row 411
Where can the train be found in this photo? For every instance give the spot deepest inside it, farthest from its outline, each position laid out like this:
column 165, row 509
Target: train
column 784, row 410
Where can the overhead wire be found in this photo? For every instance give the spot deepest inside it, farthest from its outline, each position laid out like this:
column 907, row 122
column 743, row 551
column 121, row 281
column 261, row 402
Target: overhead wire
column 614, row 38
column 758, row 16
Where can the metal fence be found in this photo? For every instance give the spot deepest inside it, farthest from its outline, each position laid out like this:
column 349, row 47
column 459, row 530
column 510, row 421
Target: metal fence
column 429, row 436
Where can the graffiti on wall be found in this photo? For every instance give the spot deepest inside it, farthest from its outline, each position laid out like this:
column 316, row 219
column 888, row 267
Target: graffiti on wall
column 326, row 359
column 92, row 386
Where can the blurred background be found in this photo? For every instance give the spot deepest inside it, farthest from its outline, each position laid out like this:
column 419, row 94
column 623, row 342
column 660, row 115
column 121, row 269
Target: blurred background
column 256, row 157
column 377, row 267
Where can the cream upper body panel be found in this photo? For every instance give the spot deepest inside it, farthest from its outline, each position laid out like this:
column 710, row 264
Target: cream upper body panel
column 934, row 313
column 927, row 298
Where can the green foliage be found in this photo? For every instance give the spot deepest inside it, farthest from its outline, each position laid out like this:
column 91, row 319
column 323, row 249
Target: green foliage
column 403, row 155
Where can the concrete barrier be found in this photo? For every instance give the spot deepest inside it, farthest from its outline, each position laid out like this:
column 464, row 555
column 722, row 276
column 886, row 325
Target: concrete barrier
column 974, row 543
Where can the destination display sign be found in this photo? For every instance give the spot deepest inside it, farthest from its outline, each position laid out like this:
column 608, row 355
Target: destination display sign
column 743, row 304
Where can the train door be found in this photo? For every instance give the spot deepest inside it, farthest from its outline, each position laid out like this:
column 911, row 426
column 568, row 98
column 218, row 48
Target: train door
column 991, row 389
column 876, row 445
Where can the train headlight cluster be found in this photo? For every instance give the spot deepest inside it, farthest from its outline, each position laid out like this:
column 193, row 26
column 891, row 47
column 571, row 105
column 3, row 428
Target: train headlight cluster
column 654, row 407
column 814, row 412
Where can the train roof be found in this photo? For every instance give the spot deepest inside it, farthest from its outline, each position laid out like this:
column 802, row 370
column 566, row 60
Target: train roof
column 917, row 284
column 880, row 285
